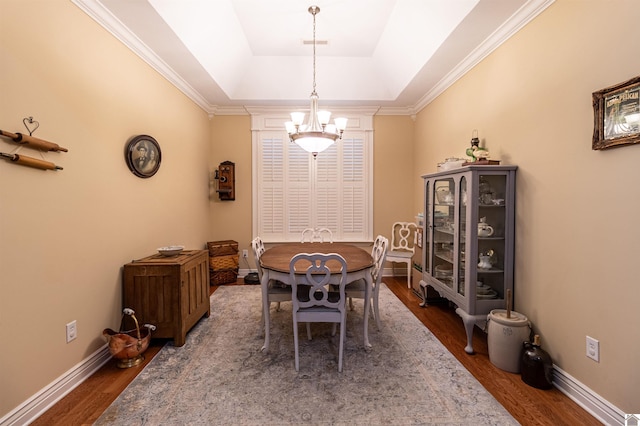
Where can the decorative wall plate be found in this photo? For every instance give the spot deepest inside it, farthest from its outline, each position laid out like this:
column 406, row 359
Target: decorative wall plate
column 143, row 156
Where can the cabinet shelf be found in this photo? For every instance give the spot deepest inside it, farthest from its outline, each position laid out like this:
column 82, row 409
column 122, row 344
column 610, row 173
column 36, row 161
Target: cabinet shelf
column 444, row 230
column 447, row 257
column 490, row 271
column 451, row 237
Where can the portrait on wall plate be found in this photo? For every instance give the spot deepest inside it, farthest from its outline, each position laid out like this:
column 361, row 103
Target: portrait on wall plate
column 143, row 156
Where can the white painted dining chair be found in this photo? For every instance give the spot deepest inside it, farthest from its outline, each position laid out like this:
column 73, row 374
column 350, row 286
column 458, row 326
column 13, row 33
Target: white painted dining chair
column 318, row 302
column 357, row 288
column 316, row 235
column 402, row 246
column 276, row 292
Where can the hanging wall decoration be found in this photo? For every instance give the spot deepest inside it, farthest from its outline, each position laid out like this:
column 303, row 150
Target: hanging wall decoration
column 616, row 113
column 143, row 156
column 28, row 141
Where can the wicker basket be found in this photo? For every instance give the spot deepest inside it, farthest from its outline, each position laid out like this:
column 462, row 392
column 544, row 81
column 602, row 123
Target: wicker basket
column 223, row 261
column 224, row 277
column 221, row 248
column 219, row 263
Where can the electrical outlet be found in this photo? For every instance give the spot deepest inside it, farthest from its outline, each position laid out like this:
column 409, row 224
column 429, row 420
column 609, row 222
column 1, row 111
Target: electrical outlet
column 593, row 349
column 245, row 253
column 72, row 331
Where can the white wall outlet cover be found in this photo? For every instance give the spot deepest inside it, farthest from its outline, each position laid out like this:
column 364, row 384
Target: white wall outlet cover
column 593, row 349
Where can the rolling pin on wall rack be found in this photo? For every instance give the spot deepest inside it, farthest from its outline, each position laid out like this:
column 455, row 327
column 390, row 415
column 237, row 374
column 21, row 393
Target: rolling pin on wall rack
column 32, row 142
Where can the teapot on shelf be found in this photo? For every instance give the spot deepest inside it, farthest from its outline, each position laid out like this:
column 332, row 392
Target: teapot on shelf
column 484, row 229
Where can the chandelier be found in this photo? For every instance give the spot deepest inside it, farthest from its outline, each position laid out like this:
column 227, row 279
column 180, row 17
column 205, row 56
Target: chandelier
column 317, row 135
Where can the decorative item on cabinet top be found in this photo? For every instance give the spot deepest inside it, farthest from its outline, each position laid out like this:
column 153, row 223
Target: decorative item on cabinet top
column 33, row 143
column 476, row 152
column 476, row 155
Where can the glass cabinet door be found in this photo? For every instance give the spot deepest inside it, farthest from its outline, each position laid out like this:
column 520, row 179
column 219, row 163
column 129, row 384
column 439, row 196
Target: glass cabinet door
column 490, row 282
column 426, row 254
column 443, row 214
column 462, row 234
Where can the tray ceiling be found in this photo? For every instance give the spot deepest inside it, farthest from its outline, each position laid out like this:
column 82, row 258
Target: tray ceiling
column 229, row 55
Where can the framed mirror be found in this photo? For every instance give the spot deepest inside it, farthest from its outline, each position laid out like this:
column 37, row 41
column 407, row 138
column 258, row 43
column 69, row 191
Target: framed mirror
column 616, row 113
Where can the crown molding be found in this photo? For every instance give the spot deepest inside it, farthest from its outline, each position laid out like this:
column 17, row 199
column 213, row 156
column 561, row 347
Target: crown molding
column 113, row 25
column 518, row 20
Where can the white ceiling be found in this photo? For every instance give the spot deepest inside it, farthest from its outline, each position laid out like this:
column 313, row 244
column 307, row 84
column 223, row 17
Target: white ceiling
column 228, row 55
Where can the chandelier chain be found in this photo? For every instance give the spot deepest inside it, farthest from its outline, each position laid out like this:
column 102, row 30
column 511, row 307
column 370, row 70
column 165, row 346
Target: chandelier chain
column 314, row 50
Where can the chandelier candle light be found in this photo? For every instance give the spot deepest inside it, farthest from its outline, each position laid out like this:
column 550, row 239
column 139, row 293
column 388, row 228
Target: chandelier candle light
column 317, row 135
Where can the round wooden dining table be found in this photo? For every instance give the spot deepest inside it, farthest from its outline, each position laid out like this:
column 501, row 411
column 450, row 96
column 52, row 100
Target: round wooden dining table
column 275, row 266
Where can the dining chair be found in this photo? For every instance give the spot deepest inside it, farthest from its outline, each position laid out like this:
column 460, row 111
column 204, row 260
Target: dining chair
column 316, row 235
column 318, row 303
column 277, row 292
column 357, row 288
column 402, row 246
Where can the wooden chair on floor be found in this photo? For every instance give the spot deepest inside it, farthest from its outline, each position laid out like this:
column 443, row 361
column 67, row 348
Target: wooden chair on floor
column 277, row 291
column 319, row 303
column 356, row 289
column 402, row 246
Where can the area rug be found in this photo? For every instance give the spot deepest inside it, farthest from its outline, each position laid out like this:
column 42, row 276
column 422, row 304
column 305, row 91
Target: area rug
column 220, row 376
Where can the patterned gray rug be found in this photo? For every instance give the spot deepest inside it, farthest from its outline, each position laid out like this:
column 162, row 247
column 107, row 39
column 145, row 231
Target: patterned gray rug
column 221, row 377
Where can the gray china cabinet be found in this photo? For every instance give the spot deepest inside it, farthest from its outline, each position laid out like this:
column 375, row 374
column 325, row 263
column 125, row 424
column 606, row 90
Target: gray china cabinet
column 468, row 239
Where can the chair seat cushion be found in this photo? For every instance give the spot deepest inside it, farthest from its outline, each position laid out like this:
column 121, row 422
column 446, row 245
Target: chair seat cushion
column 399, row 255
column 358, row 285
column 277, row 287
column 319, row 309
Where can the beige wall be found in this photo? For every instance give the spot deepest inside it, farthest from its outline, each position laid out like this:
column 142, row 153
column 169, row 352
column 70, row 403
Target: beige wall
column 577, row 233
column 393, row 155
column 231, row 220
column 66, row 234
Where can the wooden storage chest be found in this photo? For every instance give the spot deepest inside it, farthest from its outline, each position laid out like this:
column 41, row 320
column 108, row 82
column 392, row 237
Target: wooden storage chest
column 223, row 261
column 171, row 293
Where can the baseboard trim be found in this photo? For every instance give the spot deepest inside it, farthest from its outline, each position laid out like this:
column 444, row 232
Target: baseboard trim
column 32, row 408
column 593, row 403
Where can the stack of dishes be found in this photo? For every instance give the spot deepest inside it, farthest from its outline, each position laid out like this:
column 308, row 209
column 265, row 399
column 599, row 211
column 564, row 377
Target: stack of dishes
column 444, row 271
column 170, row 250
column 483, row 291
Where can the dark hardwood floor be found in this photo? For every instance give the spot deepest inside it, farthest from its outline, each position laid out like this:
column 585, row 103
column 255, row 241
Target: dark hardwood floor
column 530, row 406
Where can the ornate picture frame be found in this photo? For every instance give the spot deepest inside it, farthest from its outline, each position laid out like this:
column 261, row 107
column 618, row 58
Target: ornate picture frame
column 616, row 113
column 142, row 154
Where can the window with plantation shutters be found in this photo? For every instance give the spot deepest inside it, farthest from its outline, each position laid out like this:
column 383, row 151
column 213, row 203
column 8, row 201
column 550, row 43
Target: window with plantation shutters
column 294, row 191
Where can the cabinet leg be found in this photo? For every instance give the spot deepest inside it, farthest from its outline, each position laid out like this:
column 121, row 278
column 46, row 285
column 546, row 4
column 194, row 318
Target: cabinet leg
column 423, row 291
column 469, row 322
column 179, row 340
